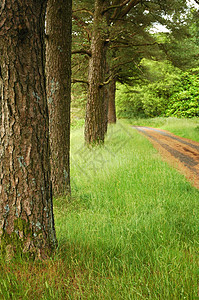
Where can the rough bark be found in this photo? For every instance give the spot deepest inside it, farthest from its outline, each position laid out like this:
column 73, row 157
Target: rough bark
column 111, row 102
column 58, row 71
column 26, row 213
column 94, row 124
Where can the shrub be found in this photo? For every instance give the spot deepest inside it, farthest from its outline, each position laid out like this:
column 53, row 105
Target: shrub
column 173, row 94
column 186, row 103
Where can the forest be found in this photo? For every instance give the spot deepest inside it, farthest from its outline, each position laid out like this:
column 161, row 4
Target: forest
column 89, row 209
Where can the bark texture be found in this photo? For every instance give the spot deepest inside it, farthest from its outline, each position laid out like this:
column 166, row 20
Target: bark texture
column 26, row 212
column 94, row 124
column 111, row 102
column 58, row 71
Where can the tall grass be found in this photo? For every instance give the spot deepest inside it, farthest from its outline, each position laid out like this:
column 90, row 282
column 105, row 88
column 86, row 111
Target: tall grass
column 129, row 231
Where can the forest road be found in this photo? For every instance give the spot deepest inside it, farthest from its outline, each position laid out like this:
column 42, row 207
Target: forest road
column 181, row 153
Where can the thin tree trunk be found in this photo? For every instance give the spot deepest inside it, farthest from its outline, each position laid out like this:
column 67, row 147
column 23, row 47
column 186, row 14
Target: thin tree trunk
column 94, row 124
column 26, row 213
column 58, row 71
column 111, row 102
column 106, row 99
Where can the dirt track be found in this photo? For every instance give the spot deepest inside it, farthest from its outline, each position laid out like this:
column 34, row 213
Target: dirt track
column 181, row 153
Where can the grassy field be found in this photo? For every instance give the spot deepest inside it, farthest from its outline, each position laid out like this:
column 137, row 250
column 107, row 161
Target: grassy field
column 129, row 231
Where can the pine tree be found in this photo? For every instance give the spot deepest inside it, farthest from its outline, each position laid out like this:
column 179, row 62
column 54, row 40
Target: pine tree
column 26, row 212
column 58, row 71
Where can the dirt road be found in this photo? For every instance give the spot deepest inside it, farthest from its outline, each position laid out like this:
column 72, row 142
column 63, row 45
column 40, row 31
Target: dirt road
column 179, row 152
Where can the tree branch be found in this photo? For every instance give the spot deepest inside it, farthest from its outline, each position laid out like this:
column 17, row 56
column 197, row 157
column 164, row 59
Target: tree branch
column 126, row 10
column 121, row 64
column 127, row 44
column 122, row 43
column 106, row 82
column 84, row 10
column 79, row 80
column 115, row 6
column 82, row 51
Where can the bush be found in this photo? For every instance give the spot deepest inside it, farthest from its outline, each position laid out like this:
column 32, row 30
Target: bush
column 146, row 100
column 128, row 102
column 173, row 94
column 186, row 103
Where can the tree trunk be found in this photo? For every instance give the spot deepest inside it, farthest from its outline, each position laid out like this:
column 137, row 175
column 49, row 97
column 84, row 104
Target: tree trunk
column 26, row 212
column 94, row 124
column 58, row 71
column 111, row 102
column 106, row 97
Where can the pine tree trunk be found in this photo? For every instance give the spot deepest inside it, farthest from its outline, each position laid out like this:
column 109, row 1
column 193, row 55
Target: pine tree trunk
column 58, row 71
column 106, row 98
column 111, row 102
column 94, row 124
column 26, row 213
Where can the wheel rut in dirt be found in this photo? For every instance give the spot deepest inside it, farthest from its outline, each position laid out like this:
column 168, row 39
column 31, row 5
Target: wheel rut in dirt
column 181, row 153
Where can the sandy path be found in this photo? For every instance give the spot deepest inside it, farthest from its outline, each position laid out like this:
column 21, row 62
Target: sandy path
column 181, row 153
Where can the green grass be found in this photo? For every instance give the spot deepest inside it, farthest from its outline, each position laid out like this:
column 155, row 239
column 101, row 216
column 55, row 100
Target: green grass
column 129, row 231
column 187, row 128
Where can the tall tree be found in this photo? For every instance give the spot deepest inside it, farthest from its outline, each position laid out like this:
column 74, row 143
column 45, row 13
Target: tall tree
column 26, row 212
column 103, row 17
column 94, row 124
column 58, row 71
column 107, row 15
column 111, row 102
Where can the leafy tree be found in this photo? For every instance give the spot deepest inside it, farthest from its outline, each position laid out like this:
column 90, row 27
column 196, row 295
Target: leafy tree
column 26, row 213
column 58, row 70
column 150, row 96
column 166, row 90
column 185, row 102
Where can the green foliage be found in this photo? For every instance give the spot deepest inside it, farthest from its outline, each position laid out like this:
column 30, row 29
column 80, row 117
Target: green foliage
column 78, row 103
column 149, row 98
column 185, row 103
column 183, row 54
column 181, row 43
column 127, row 103
column 165, row 91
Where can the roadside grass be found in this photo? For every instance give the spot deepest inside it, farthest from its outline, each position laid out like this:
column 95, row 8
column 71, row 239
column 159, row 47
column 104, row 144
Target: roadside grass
column 187, row 128
column 129, row 231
